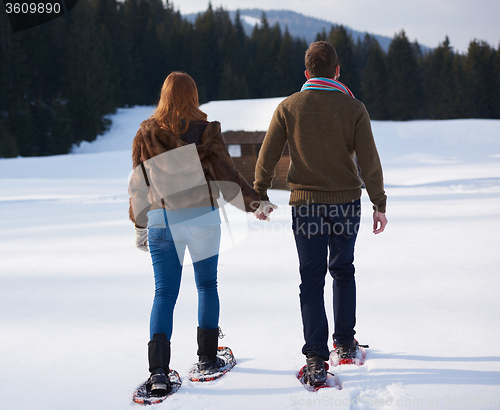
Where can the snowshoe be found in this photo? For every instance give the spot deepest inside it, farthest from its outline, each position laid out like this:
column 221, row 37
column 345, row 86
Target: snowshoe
column 353, row 353
column 331, row 380
column 157, row 388
column 205, row 371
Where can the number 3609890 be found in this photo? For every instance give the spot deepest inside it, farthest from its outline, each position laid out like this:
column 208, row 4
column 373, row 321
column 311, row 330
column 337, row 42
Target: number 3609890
column 32, row 8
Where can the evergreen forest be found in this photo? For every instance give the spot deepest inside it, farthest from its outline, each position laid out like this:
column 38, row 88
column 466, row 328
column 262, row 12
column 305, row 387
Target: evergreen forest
column 60, row 80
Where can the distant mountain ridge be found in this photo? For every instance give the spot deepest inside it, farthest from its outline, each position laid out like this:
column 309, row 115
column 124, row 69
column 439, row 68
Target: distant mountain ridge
column 298, row 24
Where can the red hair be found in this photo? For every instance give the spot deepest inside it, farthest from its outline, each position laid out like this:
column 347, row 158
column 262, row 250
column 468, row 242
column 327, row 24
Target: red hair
column 178, row 104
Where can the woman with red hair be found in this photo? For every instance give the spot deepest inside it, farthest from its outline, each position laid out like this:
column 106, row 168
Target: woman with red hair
column 173, row 205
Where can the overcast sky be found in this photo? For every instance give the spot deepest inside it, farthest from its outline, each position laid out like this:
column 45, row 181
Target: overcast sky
column 427, row 21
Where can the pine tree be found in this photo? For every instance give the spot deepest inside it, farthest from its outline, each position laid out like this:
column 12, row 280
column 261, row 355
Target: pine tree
column 90, row 85
column 233, row 81
column 238, row 49
column 289, row 66
column 105, row 12
column 33, row 77
column 344, row 45
column 264, row 47
column 374, row 83
column 441, row 90
column 178, row 36
column 233, row 86
column 361, row 55
column 8, row 143
column 479, row 67
column 207, row 55
column 403, row 89
column 322, row 36
column 140, row 52
column 496, row 83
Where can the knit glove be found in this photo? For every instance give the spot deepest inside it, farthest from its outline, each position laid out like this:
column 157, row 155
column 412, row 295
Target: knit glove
column 264, row 210
column 141, row 239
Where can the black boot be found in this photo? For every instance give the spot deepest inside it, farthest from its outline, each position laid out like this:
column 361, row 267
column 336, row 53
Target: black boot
column 315, row 373
column 159, row 365
column 208, row 342
column 348, row 351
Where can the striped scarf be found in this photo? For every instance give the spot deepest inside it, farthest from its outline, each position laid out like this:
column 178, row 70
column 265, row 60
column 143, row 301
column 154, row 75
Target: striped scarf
column 321, row 83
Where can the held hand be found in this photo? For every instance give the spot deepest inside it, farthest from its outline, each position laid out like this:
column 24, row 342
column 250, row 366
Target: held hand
column 264, row 210
column 379, row 222
column 141, row 239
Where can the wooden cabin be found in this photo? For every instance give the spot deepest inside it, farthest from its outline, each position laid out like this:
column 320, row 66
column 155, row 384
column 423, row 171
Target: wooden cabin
column 244, row 148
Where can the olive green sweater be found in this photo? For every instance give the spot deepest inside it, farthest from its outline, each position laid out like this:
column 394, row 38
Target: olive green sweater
column 324, row 130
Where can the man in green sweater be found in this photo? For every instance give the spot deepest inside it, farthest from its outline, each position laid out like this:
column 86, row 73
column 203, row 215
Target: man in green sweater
column 325, row 128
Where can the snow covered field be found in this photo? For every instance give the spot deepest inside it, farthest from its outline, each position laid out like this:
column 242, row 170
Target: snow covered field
column 75, row 294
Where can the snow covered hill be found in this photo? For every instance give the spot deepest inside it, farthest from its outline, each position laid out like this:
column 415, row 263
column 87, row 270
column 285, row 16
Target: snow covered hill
column 75, row 294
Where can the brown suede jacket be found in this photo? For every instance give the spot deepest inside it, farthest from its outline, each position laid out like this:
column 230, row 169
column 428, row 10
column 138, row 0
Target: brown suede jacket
column 151, row 140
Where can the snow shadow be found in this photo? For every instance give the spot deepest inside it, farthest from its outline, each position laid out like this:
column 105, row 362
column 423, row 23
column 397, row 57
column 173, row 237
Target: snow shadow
column 374, row 354
column 466, row 183
column 409, row 376
column 419, row 376
column 255, row 391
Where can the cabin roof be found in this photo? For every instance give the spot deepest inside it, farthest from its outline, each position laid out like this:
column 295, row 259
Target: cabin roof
column 244, row 137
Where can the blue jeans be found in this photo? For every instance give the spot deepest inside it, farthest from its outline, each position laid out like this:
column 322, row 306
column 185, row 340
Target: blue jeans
column 325, row 236
column 167, row 247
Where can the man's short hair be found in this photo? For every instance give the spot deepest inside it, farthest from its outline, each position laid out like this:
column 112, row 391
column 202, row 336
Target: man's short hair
column 321, row 59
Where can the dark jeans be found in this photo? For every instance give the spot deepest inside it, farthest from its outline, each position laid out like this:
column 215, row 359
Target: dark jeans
column 325, row 236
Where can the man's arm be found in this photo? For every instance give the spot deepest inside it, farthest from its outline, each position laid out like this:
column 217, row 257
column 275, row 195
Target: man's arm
column 269, row 155
column 371, row 169
column 369, row 161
